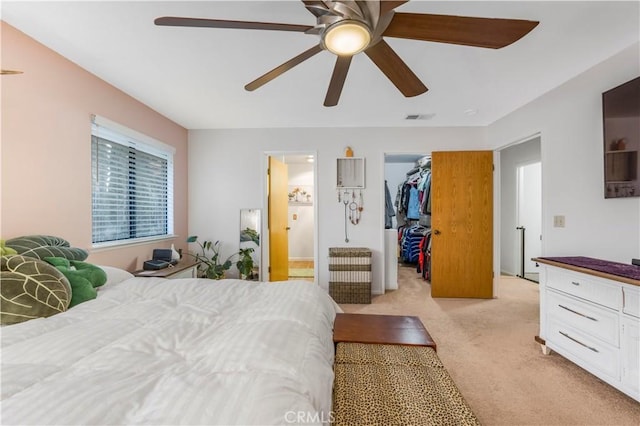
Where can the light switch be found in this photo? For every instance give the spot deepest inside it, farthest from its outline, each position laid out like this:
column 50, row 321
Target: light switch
column 558, row 221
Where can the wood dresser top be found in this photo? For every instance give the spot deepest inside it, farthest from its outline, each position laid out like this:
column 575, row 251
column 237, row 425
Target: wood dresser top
column 600, row 264
column 166, row 272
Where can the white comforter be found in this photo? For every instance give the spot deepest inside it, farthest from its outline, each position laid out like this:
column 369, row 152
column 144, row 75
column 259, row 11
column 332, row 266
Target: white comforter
column 188, row 351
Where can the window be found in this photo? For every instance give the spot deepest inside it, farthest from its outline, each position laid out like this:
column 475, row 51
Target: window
column 132, row 185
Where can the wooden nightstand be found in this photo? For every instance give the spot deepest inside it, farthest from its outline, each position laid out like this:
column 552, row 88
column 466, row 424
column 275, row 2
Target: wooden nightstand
column 185, row 268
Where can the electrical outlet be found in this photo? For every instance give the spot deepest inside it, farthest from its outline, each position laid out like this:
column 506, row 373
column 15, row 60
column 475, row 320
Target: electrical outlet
column 558, row 221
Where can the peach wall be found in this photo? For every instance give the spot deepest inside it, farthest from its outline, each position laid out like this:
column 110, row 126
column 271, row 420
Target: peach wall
column 46, row 149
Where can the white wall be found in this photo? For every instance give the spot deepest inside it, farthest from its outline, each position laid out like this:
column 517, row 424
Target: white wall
column 510, row 158
column 226, row 171
column 569, row 120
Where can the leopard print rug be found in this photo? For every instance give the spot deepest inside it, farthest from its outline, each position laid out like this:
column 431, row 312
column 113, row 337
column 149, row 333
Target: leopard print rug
column 395, row 385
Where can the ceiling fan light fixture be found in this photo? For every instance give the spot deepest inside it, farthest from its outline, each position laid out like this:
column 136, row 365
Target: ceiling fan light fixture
column 346, row 38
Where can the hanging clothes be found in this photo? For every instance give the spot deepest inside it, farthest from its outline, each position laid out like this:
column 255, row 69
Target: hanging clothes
column 389, row 212
column 409, row 238
column 413, row 208
column 413, row 214
column 401, row 217
column 413, row 197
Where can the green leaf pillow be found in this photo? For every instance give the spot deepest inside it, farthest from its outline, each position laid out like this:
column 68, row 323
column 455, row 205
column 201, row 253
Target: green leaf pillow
column 6, row 251
column 83, row 277
column 41, row 246
column 31, row 288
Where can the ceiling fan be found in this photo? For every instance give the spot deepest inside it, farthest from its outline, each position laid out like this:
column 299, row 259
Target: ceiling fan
column 348, row 27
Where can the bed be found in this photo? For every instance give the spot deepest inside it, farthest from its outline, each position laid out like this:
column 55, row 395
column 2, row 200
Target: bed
column 184, row 351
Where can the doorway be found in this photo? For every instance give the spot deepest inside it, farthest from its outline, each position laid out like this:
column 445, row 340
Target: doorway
column 293, row 208
column 521, row 207
column 398, row 167
column 529, row 218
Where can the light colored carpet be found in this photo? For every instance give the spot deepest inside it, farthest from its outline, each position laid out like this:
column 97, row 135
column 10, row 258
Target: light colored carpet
column 301, row 272
column 488, row 348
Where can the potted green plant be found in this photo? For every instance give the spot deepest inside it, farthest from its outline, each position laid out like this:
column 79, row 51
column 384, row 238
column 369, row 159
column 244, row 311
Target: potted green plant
column 211, row 266
column 245, row 263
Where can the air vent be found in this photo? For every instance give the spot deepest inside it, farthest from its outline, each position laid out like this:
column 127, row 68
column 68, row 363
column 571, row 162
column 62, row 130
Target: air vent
column 420, row 116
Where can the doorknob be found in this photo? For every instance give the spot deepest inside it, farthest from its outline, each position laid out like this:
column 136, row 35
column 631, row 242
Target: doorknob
column 287, row 228
column 436, row 232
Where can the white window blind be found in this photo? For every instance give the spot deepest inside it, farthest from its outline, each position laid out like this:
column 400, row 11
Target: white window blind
column 132, row 185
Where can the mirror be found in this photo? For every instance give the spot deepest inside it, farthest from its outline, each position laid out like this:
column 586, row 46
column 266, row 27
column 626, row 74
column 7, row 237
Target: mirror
column 250, row 238
column 350, row 173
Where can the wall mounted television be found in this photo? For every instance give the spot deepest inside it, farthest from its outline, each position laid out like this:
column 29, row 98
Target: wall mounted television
column 621, row 126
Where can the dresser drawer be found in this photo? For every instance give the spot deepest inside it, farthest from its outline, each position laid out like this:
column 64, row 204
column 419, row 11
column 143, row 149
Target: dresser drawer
column 593, row 289
column 582, row 349
column 631, row 301
column 593, row 320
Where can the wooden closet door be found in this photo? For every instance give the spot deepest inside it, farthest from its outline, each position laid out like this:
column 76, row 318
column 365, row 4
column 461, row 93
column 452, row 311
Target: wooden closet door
column 462, row 224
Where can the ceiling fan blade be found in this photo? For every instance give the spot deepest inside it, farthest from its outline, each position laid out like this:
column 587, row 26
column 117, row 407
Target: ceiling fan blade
column 174, row 21
column 317, row 8
column 493, row 33
column 395, row 69
column 337, row 80
column 264, row 79
column 389, row 5
column 314, row 3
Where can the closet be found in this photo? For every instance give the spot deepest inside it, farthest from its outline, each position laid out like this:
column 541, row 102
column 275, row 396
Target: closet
column 407, row 215
column 448, row 229
column 413, row 213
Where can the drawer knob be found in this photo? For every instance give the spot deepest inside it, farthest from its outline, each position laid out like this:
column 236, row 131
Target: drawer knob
column 575, row 283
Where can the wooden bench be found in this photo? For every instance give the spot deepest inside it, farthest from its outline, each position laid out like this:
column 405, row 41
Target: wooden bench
column 387, row 372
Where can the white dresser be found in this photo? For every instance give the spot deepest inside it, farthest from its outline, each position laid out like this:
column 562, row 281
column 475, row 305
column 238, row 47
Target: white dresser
column 593, row 319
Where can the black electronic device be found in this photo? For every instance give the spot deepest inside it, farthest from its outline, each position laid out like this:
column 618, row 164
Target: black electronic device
column 635, row 262
column 154, row 265
column 162, row 254
column 161, row 259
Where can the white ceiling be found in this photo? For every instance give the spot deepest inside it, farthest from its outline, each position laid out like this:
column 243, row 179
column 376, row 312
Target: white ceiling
column 196, row 76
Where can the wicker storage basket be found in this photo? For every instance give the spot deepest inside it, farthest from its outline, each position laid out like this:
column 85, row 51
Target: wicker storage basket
column 350, row 274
